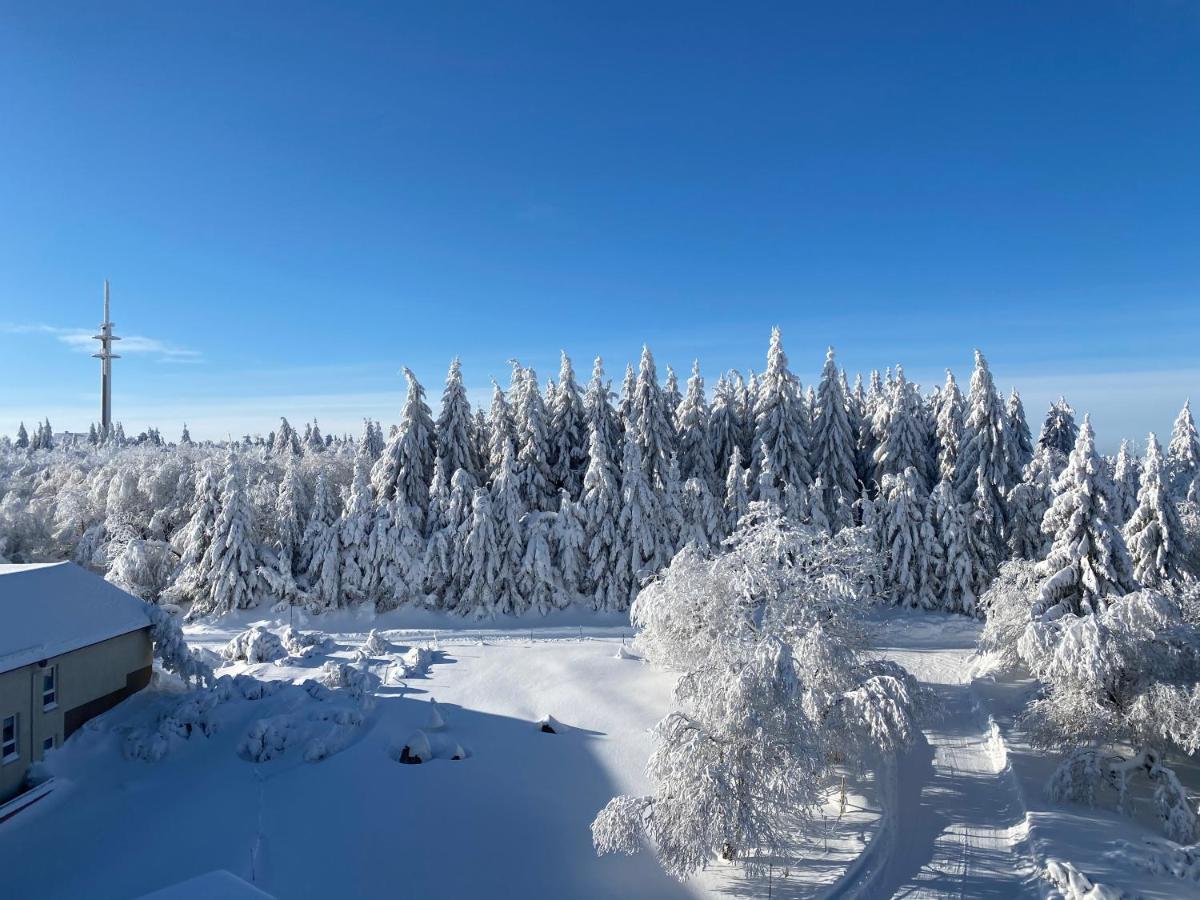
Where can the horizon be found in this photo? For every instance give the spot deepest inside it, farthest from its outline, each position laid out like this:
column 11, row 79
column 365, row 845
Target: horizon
column 294, row 202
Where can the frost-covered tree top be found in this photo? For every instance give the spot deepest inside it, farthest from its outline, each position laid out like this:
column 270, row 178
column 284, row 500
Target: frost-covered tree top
column 781, row 419
column 695, row 453
column 948, row 426
column 1154, row 533
column 1183, row 453
column 453, row 427
column 405, row 467
column 903, row 442
column 1059, row 431
column 1088, row 561
column 833, row 440
column 650, row 423
column 1020, row 441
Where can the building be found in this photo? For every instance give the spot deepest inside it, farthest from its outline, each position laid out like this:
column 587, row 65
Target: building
column 71, row 646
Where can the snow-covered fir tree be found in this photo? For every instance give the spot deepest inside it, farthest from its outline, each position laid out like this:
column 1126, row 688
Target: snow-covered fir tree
column 229, row 562
column 1059, row 430
column 354, row 532
column 724, row 425
column 1183, row 453
column 902, row 439
column 1020, row 442
column 833, row 446
column 1154, row 534
column 908, row 541
column 954, row 583
column 948, row 427
column 508, row 509
column 599, row 414
column 533, row 470
column 453, row 429
column 569, row 544
column 737, row 490
column 1088, row 562
column 981, row 478
column 650, row 417
column 781, row 420
column 568, row 427
column 601, row 506
column 406, row 465
column 1125, row 483
column 321, row 549
column 640, row 523
column 695, row 453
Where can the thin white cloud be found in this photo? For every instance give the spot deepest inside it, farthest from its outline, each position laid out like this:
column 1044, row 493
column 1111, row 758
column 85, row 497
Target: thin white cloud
column 82, row 341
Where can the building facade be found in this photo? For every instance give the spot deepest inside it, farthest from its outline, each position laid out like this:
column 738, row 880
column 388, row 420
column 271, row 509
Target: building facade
column 71, row 647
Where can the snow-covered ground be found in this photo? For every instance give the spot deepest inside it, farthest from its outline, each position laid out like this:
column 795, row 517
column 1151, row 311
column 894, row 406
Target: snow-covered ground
column 964, row 813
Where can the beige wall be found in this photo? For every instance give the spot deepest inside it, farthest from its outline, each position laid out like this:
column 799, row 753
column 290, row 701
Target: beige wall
column 83, row 675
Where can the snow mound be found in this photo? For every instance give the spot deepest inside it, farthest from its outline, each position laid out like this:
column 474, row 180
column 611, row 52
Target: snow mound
column 322, row 732
column 550, row 725
column 1161, row 857
column 422, row 747
column 255, row 645
column 344, row 676
column 624, row 652
column 303, row 644
column 1075, row 885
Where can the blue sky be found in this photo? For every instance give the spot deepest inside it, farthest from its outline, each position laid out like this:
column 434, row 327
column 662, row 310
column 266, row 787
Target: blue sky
column 294, row 200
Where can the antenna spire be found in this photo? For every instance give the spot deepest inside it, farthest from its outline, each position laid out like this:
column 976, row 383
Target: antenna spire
column 106, row 356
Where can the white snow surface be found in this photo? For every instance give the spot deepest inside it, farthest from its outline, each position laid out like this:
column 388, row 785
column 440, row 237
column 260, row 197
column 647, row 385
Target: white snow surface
column 962, row 814
column 48, row 609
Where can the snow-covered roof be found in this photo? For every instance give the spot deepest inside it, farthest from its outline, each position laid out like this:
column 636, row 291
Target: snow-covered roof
column 47, row 609
column 208, row 886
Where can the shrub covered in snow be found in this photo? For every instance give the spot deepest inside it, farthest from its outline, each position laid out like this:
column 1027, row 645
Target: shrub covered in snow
column 773, row 689
column 255, row 645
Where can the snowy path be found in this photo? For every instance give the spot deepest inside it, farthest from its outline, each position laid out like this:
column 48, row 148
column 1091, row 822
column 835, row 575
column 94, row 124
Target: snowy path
column 962, row 828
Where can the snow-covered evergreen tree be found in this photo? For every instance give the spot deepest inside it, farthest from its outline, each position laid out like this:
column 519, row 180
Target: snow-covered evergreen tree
column 1183, row 453
column 834, row 447
column 640, row 523
column 691, row 427
column 981, row 477
column 406, row 466
column 955, row 585
column 1027, row 505
column 598, row 411
column 354, row 533
column 534, row 473
column 453, row 429
column 502, row 430
column 781, row 420
column 321, row 547
column 192, row 542
column 651, row 420
column 908, row 541
column 1019, row 450
column 948, row 427
column 568, row 427
column 1059, row 431
column 229, row 562
column 1154, row 533
column 508, row 509
column 1088, row 562
column 539, row 585
column 480, row 568
column 737, row 490
column 569, row 544
column 902, row 439
column 1125, row 483
column 22, row 440
column 724, row 426
column 601, row 506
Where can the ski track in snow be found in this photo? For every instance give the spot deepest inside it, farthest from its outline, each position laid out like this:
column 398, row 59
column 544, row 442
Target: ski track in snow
column 955, row 823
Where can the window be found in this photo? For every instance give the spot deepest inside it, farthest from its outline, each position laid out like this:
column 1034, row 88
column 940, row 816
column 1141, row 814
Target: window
column 9, row 734
column 48, row 744
column 50, row 687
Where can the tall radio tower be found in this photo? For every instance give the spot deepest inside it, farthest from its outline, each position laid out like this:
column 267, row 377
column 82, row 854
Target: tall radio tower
column 106, row 356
